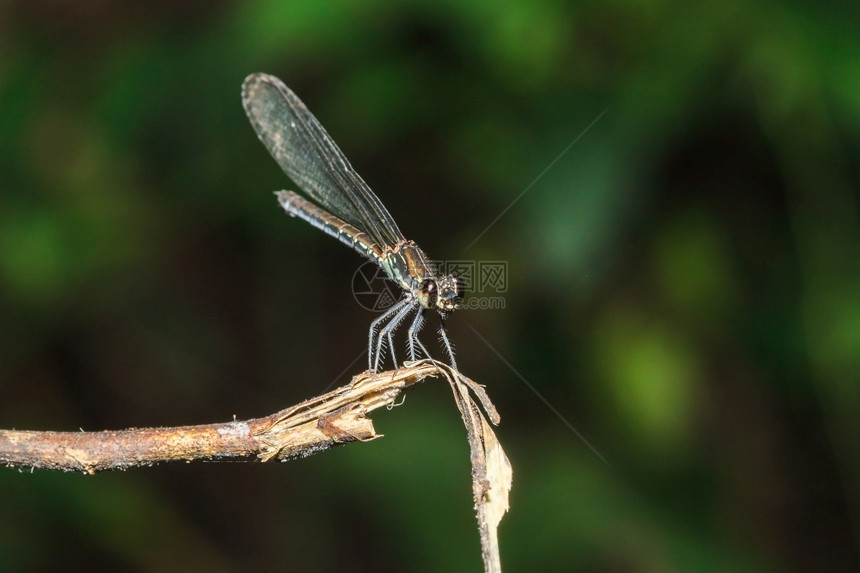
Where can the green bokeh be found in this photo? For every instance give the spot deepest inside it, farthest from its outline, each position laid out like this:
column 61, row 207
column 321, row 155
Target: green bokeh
column 674, row 191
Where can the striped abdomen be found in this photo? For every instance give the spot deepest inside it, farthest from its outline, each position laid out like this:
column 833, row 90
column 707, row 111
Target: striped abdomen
column 297, row 206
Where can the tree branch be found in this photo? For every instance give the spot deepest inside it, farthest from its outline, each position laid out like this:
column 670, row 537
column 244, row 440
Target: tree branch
column 334, row 418
column 305, row 429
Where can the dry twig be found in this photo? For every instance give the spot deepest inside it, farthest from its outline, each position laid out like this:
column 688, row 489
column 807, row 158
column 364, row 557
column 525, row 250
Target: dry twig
column 337, row 417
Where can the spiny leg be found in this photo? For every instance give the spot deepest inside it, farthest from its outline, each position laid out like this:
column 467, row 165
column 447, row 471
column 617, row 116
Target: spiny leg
column 447, row 344
column 378, row 356
column 401, row 316
column 412, row 336
column 377, row 345
column 425, row 351
column 413, row 340
column 374, row 325
column 388, row 330
column 372, row 333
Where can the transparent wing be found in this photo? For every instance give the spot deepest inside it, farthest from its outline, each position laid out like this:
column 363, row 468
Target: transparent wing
column 310, row 157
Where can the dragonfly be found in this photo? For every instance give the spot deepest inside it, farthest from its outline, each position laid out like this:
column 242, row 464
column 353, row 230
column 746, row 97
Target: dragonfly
column 339, row 203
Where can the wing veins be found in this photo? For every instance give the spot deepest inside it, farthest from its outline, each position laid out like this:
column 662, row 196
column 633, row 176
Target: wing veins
column 310, row 157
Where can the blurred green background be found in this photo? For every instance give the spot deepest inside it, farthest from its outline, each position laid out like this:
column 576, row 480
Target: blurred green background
column 683, row 282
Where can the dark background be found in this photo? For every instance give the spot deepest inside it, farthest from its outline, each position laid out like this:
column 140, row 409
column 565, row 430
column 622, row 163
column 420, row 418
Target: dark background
column 683, row 283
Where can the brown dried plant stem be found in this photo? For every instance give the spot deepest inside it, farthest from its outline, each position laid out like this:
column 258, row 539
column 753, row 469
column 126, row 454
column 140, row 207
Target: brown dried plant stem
column 305, row 429
column 314, row 425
